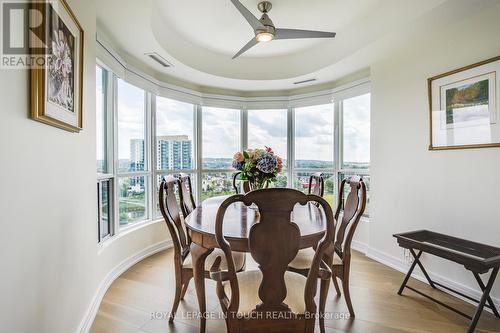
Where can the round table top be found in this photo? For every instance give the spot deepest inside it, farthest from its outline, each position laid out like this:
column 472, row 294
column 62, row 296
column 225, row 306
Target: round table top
column 239, row 218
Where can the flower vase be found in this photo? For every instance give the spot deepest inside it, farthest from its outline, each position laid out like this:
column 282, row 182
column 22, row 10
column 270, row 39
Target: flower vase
column 255, row 185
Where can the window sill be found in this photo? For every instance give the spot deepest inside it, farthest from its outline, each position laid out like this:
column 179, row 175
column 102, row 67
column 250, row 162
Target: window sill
column 125, row 231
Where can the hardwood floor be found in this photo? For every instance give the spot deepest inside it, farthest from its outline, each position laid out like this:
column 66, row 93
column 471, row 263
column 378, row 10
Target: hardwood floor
column 140, row 299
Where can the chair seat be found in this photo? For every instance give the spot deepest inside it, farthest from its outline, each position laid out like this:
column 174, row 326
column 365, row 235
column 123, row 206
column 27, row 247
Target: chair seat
column 249, row 283
column 238, row 257
column 303, row 259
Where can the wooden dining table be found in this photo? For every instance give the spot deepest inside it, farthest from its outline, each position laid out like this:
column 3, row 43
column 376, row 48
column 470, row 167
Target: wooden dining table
column 237, row 223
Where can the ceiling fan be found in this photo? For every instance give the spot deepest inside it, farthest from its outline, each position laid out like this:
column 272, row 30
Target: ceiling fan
column 265, row 31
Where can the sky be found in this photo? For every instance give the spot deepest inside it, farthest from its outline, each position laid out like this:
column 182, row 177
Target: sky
column 314, row 133
column 356, row 114
column 268, row 128
column 221, row 127
column 174, row 118
column 99, row 115
column 131, row 116
column 221, row 132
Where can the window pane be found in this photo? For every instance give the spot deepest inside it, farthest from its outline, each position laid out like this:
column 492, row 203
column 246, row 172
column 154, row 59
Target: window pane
column 221, row 137
column 131, row 128
column 216, row 184
column 174, row 134
column 101, row 120
column 356, row 132
column 366, row 179
column 268, row 128
column 132, row 200
column 301, row 183
column 314, row 136
column 105, row 209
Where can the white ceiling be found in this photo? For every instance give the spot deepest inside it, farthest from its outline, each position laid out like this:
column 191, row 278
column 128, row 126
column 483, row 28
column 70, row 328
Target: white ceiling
column 199, row 37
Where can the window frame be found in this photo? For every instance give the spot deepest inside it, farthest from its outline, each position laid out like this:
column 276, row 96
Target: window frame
column 108, row 138
column 147, row 172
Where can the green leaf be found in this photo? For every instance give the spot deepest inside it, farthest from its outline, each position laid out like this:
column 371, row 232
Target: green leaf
column 245, row 155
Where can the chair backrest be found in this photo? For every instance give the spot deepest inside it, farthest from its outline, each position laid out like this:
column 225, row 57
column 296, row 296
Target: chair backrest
column 186, row 194
column 317, row 184
column 171, row 214
column 274, row 243
column 236, row 180
column 353, row 207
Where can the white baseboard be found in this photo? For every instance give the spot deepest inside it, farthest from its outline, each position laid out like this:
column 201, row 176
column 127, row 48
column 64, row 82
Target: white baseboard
column 112, row 276
column 401, row 266
column 359, row 246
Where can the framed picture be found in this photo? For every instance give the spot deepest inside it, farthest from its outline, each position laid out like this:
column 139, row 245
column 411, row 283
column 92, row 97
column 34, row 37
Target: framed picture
column 464, row 107
column 56, row 86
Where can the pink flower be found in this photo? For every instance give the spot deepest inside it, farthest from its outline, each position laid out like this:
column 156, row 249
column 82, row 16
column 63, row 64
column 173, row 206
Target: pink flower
column 269, row 150
column 280, row 164
column 238, row 157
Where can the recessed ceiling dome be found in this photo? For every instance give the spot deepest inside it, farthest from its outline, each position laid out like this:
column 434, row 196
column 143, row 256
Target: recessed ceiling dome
column 199, row 38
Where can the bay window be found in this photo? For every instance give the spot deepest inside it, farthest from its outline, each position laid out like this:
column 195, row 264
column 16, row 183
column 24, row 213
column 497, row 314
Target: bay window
column 141, row 137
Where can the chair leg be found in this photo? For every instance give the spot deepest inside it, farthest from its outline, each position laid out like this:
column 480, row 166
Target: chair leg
column 323, row 295
column 336, row 285
column 347, row 295
column 177, row 298
column 185, row 285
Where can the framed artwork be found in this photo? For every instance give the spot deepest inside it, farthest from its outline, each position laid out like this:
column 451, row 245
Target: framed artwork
column 464, row 107
column 56, row 86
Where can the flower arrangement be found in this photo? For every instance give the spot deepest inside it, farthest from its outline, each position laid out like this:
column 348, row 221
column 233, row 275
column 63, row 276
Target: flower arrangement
column 258, row 166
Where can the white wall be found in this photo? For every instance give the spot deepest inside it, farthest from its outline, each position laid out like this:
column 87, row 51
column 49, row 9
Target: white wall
column 51, row 268
column 455, row 192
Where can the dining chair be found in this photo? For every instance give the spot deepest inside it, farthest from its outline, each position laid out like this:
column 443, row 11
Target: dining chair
column 237, row 180
column 182, row 259
column 272, row 299
column 186, row 194
column 317, row 184
column 352, row 210
column 303, row 259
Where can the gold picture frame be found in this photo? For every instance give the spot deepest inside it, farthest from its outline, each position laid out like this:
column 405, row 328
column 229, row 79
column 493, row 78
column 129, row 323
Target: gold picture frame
column 61, row 30
column 482, row 74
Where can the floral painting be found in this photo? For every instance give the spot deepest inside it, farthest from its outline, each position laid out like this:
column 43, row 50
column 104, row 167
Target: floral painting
column 61, row 75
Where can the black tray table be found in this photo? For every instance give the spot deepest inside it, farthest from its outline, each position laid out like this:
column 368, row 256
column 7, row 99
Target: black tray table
column 475, row 257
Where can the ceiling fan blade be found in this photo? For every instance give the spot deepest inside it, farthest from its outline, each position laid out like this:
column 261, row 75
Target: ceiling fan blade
column 296, row 33
column 245, row 48
column 254, row 22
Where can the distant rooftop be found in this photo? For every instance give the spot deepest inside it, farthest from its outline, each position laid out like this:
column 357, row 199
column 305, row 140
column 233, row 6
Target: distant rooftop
column 172, row 138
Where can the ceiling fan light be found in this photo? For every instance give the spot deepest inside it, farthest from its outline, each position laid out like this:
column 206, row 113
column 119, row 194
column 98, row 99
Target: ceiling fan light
column 264, row 37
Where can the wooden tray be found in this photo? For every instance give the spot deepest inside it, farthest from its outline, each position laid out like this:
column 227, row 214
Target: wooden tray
column 474, row 256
